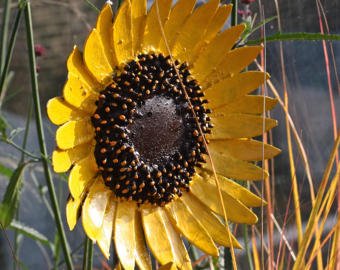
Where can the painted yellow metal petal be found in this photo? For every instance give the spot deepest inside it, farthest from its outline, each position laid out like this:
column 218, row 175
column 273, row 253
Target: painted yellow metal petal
column 250, row 104
column 59, row 111
column 214, row 52
column 74, row 133
column 217, row 22
column 124, row 233
column 210, row 222
column 82, row 176
column 208, row 194
column 178, row 15
column 138, row 15
column 214, row 27
column 235, row 168
column 193, row 30
column 77, row 93
column 77, row 68
column 94, row 207
column 122, row 33
column 234, row 88
column 234, row 62
column 62, row 160
column 142, row 255
column 232, row 188
column 244, row 149
column 190, row 227
column 162, row 238
column 104, row 28
column 73, row 208
column 156, row 18
column 239, row 125
column 96, row 59
column 104, row 236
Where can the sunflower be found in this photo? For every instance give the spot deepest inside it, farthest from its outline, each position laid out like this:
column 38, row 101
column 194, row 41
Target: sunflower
column 155, row 112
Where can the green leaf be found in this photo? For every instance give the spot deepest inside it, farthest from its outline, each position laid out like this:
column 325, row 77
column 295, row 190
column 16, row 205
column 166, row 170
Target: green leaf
column 3, row 127
column 10, row 201
column 29, row 232
column 302, row 36
column 5, row 171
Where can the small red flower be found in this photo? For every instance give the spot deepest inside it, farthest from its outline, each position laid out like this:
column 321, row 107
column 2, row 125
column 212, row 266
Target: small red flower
column 39, row 50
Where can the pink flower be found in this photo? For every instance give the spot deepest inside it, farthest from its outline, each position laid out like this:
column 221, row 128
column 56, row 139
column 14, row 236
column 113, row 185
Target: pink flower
column 39, row 50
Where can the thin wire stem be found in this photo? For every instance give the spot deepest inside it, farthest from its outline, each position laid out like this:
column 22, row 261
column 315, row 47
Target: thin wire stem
column 22, row 159
column 4, row 32
column 5, row 61
column 88, row 254
column 41, row 137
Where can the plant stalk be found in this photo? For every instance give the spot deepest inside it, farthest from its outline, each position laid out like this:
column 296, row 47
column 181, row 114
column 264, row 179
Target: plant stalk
column 41, row 137
column 6, row 59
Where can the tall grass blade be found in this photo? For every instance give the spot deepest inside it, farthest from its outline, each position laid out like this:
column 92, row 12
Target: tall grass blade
column 6, row 59
column 312, row 221
column 4, row 32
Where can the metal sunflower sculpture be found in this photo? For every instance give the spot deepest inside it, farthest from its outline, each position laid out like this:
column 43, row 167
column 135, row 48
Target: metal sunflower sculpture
column 153, row 107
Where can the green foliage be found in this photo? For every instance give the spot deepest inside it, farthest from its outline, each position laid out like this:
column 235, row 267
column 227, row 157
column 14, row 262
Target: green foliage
column 29, row 232
column 5, row 171
column 3, row 127
column 9, row 204
column 302, row 36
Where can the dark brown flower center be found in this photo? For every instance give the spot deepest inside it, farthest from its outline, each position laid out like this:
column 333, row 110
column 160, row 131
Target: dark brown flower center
column 158, row 130
column 147, row 139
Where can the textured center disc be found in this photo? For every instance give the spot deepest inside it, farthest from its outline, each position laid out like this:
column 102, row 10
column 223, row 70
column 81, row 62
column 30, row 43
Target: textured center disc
column 146, row 130
column 158, row 131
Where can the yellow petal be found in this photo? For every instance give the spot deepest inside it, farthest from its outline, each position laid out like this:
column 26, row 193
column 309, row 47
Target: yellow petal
column 250, row 104
column 168, row 266
column 240, row 125
column 124, row 232
column 77, row 68
column 234, row 62
column 178, row 15
column 104, row 235
column 158, row 15
column 162, row 239
column 138, row 14
column 214, row 52
column 95, row 58
column 73, row 208
column 82, row 175
column 190, row 227
column 210, row 222
column 234, row 88
column 59, row 112
column 217, row 22
column 142, row 255
column 214, row 27
column 62, row 160
column 104, row 28
column 244, row 149
column 235, row 168
column 208, row 194
column 77, row 93
column 233, row 189
column 74, row 133
column 122, row 35
column 193, row 30
column 94, row 209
